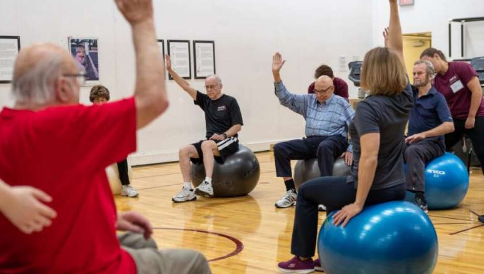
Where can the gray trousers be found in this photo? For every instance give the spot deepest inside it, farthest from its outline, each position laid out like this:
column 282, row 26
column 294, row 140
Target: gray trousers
column 150, row 260
column 416, row 156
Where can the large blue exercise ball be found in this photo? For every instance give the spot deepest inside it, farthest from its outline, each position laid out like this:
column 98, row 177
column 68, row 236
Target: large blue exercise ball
column 393, row 237
column 446, row 182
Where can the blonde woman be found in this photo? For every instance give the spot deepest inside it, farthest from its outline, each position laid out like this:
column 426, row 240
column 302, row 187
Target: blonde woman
column 377, row 132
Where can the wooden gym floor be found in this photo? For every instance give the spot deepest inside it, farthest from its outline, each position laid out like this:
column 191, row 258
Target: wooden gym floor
column 249, row 235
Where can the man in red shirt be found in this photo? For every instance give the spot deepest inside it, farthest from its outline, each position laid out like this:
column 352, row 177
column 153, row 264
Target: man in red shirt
column 54, row 144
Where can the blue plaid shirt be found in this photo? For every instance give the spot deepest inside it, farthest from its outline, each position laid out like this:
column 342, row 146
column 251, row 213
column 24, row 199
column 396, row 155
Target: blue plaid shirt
column 332, row 117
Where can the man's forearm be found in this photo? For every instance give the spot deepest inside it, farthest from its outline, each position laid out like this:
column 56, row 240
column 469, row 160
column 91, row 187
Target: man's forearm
column 233, row 130
column 150, row 79
column 179, row 80
column 277, row 76
column 443, row 129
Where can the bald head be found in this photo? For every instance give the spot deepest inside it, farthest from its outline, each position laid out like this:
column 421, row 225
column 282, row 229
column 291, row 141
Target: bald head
column 36, row 54
column 325, row 81
column 323, row 88
column 36, row 70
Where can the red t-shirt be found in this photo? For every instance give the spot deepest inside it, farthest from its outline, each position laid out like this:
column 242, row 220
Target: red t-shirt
column 453, row 85
column 340, row 88
column 64, row 151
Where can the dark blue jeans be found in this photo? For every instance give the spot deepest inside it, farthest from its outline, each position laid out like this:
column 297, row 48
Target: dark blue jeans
column 326, row 149
column 334, row 193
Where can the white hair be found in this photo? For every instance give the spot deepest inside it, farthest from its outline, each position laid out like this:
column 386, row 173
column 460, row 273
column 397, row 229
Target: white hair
column 430, row 70
column 36, row 85
column 217, row 78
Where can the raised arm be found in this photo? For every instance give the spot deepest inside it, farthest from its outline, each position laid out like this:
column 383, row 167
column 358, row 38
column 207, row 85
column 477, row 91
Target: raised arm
column 179, row 80
column 395, row 40
column 150, row 90
column 277, row 64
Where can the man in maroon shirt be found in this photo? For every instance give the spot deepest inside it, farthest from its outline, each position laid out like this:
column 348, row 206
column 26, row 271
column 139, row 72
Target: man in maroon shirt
column 340, row 86
column 51, row 142
column 459, row 84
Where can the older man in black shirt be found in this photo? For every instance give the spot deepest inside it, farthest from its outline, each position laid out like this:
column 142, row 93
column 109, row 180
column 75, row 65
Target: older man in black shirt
column 223, row 121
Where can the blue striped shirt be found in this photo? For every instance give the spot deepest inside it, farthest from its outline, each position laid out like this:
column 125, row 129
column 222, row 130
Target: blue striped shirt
column 332, row 117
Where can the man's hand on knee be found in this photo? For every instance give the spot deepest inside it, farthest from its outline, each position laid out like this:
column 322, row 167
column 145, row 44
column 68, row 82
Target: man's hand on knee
column 134, row 222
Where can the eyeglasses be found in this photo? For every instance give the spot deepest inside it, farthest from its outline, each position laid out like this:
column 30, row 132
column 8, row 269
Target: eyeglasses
column 80, row 78
column 210, row 87
column 322, row 91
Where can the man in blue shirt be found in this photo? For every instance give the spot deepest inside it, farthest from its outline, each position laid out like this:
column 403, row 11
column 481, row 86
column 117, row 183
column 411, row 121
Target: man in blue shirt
column 327, row 119
column 430, row 120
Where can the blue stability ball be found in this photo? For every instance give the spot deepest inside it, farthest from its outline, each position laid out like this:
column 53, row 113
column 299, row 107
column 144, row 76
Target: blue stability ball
column 393, row 237
column 446, row 182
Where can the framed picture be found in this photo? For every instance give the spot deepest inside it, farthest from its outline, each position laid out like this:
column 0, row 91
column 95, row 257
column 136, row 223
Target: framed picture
column 204, row 58
column 406, row 2
column 161, row 45
column 86, row 53
column 179, row 51
column 9, row 49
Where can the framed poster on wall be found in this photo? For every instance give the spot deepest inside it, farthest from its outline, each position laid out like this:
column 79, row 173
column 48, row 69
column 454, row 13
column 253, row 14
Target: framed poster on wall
column 179, row 51
column 9, row 49
column 86, row 53
column 161, row 45
column 204, row 58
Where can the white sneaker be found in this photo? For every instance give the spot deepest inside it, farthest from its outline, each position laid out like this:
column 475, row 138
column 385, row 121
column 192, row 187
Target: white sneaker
column 129, row 191
column 321, row 208
column 289, row 199
column 185, row 195
column 204, row 189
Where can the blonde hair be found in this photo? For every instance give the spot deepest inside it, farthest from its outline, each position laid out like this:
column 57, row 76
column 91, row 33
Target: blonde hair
column 383, row 73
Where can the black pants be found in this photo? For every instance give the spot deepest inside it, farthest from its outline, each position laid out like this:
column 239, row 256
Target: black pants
column 476, row 135
column 123, row 172
column 416, row 155
column 334, row 193
column 326, row 149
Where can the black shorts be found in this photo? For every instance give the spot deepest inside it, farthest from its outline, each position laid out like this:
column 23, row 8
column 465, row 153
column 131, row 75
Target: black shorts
column 226, row 147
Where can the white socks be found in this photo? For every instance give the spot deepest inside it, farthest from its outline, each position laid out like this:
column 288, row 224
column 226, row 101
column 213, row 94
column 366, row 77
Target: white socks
column 208, row 179
column 187, row 185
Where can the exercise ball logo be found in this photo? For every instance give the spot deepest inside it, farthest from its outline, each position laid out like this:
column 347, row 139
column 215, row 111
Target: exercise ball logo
column 436, row 173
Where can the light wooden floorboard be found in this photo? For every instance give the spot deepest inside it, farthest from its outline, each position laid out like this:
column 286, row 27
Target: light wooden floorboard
column 266, row 231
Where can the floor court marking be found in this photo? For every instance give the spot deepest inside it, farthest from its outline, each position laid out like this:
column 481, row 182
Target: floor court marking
column 239, row 246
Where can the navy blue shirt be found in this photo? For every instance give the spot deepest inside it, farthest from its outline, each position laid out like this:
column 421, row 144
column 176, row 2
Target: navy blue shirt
column 429, row 112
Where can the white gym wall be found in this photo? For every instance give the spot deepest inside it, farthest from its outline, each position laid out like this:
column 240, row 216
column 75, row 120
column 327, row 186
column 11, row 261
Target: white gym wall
column 246, row 34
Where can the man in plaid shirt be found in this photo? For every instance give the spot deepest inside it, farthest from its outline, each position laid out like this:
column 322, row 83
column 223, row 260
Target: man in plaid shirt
column 327, row 119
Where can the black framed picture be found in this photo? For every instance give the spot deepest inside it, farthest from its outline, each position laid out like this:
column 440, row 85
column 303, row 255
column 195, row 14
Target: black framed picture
column 9, row 49
column 161, row 45
column 85, row 51
column 179, row 51
column 204, row 58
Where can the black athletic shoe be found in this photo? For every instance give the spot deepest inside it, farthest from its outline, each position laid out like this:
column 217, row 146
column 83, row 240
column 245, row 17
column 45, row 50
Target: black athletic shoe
column 420, row 201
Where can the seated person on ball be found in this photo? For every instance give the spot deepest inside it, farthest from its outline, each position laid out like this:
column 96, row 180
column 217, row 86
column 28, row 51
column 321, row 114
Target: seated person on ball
column 99, row 95
column 340, row 86
column 377, row 133
column 327, row 118
column 223, row 121
column 430, row 120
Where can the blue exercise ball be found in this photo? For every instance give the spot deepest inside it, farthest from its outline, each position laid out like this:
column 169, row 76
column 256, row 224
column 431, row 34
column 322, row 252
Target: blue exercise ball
column 393, row 237
column 446, row 182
